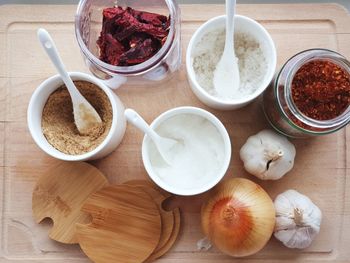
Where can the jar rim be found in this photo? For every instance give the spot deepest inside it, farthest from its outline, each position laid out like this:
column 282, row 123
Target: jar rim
column 135, row 69
column 309, row 55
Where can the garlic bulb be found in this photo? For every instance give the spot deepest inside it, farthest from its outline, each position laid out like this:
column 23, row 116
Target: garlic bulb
column 298, row 219
column 268, row 155
column 239, row 217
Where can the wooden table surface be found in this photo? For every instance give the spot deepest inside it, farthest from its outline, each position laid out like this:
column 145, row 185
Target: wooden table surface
column 321, row 168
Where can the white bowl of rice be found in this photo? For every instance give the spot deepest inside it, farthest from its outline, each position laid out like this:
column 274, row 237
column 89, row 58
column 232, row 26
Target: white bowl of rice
column 256, row 55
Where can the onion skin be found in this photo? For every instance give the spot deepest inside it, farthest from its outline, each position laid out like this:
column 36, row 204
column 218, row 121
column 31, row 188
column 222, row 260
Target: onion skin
column 239, row 217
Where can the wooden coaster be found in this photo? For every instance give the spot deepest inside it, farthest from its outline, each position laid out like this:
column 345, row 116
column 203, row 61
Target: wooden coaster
column 167, row 217
column 125, row 225
column 60, row 193
column 170, row 226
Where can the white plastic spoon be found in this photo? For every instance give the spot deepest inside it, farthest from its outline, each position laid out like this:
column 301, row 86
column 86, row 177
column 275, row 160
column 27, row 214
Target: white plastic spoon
column 226, row 75
column 85, row 116
column 164, row 145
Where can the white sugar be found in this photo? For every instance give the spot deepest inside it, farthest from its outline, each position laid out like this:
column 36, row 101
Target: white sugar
column 251, row 60
column 197, row 159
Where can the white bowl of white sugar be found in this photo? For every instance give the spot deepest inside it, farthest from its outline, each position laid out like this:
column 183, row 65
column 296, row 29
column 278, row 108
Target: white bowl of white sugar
column 256, row 55
column 201, row 158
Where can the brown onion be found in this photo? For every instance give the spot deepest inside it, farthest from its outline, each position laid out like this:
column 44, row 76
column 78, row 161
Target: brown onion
column 239, row 217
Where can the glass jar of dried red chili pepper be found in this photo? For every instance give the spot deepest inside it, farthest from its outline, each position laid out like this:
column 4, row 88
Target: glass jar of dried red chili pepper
column 310, row 95
column 136, row 41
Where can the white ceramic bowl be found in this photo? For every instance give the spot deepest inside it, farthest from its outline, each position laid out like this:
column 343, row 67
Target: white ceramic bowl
column 37, row 103
column 242, row 24
column 197, row 189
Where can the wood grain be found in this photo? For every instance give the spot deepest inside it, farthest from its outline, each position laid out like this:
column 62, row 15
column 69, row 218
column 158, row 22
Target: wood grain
column 170, row 219
column 167, row 217
column 172, row 239
column 125, row 227
column 321, row 168
column 60, row 193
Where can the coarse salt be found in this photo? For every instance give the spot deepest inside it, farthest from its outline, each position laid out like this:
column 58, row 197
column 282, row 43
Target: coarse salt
column 251, row 61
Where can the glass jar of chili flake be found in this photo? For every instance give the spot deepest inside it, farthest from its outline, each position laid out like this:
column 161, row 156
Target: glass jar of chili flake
column 166, row 59
column 310, row 95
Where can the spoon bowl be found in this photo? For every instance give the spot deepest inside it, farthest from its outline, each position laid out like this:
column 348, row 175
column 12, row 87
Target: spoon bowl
column 164, row 145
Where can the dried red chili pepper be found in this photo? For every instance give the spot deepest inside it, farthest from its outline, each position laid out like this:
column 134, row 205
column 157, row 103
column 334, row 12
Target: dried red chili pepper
column 129, row 37
column 129, row 23
column 112, row 12
column 137, row 54
column 111, row 49
column 150, row 18
column 321, row 90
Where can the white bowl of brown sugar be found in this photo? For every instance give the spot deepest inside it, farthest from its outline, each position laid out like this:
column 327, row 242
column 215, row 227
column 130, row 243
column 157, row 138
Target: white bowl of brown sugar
column 51, row 121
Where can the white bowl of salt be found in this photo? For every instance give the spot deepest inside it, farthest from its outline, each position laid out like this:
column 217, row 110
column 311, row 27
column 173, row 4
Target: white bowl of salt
column 199, row 160
column 256, row 55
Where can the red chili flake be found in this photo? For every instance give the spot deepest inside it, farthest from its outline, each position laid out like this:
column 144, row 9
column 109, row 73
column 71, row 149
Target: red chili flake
column 321, row 90
column 130, row 37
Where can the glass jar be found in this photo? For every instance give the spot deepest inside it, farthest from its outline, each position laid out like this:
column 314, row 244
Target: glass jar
column 88, row 25
column 281, row 111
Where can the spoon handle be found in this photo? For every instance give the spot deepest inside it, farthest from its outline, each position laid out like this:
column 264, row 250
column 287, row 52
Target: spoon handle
column 133, row 117
column 230, row 14
column 51, row 50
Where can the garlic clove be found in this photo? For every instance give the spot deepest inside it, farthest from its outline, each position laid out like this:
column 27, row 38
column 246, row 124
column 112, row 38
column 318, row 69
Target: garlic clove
column 285, row 234
column 300, row 238
column 255, row 165
column 284, row 223
column 204, row 244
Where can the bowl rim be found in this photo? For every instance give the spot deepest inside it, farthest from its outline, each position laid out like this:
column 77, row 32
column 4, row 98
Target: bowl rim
column 192, row 76
column 55, row 152
column 221, row 129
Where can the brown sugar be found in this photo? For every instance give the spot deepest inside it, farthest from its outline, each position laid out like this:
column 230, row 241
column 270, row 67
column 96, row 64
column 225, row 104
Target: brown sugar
column 58, row 121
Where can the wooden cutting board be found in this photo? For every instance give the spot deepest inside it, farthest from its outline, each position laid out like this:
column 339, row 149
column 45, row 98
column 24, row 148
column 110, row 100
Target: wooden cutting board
column 125, row 226
column 60, row 193
column 322, row 165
